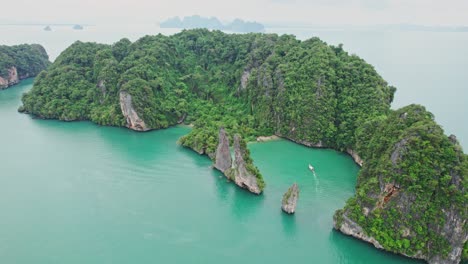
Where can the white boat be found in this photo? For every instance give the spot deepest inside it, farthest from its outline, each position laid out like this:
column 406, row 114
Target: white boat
column 311, row 168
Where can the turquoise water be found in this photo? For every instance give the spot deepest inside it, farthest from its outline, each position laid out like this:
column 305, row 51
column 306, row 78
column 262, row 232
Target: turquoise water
column 80, row 193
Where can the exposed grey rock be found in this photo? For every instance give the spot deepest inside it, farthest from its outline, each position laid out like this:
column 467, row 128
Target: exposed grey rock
column 318, row 144
column 359, row 161
column 10, row 80
column 267, row 138
column 289, row 202
column 223, row 154
column 133, row 120
column 398, row 151
column 279, row 80
column 351, row 228
column 102, row 87
column 453, row 230
column 239, row 173
column 454, row 139
column 245, row 79
column 264, row 80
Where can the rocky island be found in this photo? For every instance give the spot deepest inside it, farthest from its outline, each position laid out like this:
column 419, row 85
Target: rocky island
column 77, row 27
column 20, row 62
column 191, row 22
column 408, row 201
column 411, row 191
column 289, row 202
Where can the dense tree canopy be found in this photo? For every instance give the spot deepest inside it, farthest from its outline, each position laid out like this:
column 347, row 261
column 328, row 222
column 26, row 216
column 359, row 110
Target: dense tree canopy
column 29, row 60
column 408, row 154
column 263, row 84
column 253, row 84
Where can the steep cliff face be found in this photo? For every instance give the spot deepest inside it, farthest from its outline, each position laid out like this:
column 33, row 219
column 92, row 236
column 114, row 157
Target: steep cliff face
column 101, row 85
column 242, row 172
column 411, row 199
column 290, row 198
column 133, row 120
column 10, row 80
column 244, row 79
column 223, row 159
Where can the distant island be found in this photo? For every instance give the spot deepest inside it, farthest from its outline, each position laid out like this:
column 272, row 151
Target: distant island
column 47, row 28
column 196, row 21
column 78, row 27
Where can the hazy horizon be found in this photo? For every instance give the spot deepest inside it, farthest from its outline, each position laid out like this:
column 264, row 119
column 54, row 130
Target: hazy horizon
column 313, row 12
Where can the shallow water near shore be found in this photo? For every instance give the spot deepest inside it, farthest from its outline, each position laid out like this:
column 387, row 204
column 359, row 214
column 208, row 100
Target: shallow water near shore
column 80, row 193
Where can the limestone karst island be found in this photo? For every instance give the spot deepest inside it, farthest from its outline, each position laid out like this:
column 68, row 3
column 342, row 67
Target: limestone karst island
column 212, row 138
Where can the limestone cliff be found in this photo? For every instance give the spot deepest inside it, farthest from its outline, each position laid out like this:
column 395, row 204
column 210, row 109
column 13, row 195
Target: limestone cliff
column 133, row 120
column 10, row 80
column 242, row 170
column 412, row 199
column 348, row 227
column 101, row 85
column 245, row 79
column 289, row 202
column 223, row 160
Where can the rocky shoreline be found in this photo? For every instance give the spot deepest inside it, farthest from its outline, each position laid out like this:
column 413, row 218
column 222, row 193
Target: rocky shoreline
column 11, row 79
column 267, row 138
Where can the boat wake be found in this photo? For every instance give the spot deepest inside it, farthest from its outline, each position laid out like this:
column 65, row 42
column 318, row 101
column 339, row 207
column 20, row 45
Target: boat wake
column 317, row 182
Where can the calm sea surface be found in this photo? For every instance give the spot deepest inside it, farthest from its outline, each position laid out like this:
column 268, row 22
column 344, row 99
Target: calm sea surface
column 80, row 193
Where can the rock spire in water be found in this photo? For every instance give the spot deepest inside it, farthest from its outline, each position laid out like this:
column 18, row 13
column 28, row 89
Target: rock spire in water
column 240, row 170
column 289, row 202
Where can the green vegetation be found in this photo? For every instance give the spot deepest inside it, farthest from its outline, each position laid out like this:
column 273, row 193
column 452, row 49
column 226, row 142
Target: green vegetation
column 308, row 91
column 250, row 166
column 465, row 252
column 29, row 60
column 263, row 84
column 408, row 153
column 287, row 195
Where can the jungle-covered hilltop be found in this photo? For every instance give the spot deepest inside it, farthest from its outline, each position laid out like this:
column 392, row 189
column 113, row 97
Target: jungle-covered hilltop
column 411, row 192
column 20, row 62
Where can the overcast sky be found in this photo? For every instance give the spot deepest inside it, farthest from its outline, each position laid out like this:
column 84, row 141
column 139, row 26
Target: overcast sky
column 315, row 12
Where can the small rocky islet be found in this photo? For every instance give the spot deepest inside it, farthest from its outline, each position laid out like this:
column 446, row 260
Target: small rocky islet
column 411, row 190
column 290, row 197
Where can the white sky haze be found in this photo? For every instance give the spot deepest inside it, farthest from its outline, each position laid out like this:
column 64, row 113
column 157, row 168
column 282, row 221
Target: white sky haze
column 313, row 12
